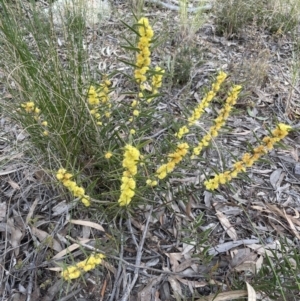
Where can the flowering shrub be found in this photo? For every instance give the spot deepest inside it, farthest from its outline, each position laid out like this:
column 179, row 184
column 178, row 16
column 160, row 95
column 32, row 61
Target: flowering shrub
column 93, row 130
column 147, row 90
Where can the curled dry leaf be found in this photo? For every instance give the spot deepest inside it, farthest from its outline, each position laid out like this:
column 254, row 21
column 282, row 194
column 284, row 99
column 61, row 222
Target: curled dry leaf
column 193, row 284
column 70, row 249
column 13, row 184
column 275, row 178
column 184, row 265
column 226, row 225
column 251, row 292
column 174, row 260
column 146, row 293
column 15, row 236
column 226, row 296
column 175, row 287
column 45, row 237
column 229, row 245
column 87, row 223
column 292, row 226
column 62, row 207
column 31, row 210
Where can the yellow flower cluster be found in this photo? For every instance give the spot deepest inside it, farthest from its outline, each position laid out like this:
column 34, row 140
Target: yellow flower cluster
column 130, row 161
column 65, row 178
column 74, row 271
column 173, row 160
column 31, row 108
column 151, row 183
column 220, row 120
column 97, row 97
column 156, row 82
column 248, row 159
column 108, row 155
column 143, row 57
column 199, row 110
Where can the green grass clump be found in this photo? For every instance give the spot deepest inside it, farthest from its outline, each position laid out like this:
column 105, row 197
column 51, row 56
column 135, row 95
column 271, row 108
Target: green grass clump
column 276, row 16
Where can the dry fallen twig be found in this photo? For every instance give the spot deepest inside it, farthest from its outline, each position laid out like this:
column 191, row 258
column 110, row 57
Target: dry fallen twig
column 138, row 259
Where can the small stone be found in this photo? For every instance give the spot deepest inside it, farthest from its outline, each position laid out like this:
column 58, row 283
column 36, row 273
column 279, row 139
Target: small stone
column 297, row 170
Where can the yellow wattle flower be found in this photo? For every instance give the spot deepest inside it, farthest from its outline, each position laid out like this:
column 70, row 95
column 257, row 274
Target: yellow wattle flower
column 280, row 132
column 128, row 184
column 173, row 160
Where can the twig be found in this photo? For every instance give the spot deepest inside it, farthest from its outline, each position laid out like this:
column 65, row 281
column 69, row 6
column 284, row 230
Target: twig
column 132, row 234
column 138, row 259
column 117, row 277
column 30, row 285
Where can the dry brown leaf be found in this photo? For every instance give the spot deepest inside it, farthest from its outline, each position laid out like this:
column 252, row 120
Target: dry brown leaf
column 292, row 226
column 194, row 284
column 251, row 292
column 31, row 210
column 226, row 296
column 3, row 207
column 146, row 293
column 259, row 263
column 44, row 236
column 277, row 211
column 15, row 236
column 184, row 265
column 86, row 232
column 55, row 269
column 62, row 207
column 260, row 249
column 175, row 286
column 13, row 184
column 109, row 267
column 69, row 249
column 244, row 260
column 275, row 177
column 87, row 223
column 221, row 248
column 226, row 225
column 174, row 260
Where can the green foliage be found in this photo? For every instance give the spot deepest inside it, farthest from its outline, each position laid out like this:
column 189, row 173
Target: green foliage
column 186, row 58
column 276, row 16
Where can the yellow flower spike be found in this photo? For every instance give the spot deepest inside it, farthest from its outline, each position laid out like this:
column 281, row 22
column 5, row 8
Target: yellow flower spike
column 86, row 202
column 248, row 159
column 281, row 131
column 74, row 271
column 143, row 56
column 65, row 178
column 182, row 131
column 128, row 184
column 173, row 160
column 219, row 121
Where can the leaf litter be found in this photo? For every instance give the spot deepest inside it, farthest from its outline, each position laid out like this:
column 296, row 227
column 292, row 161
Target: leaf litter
column 170, row 264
